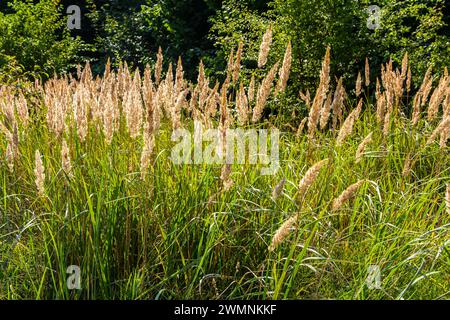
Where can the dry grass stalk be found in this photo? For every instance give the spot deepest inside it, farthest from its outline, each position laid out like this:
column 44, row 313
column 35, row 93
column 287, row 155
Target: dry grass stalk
column 65, row 158
column 310, row 176
column 263, row 93
column 39, row 173
column 416, row 108
column 230, row 64
column 251, row 91
column 442, row 127
column 321, row 94
column 362, row 147
column 278, row 189
column 237, row 64
column 301, row 127
column 407, row 165
column 325, row 113
column 404, row 67
column 338, row 103
column 147, row 151
column 284, row 71
column 346, row 195
column 358, row 108
column 306, row 98
column 283, row 231
column 265, row 47
column 425, row 88
column 408, row 80
column 242, row 105
column 358, row 85
column 386, row 125
column 347, row 127
column 437, row 97
column 225, row 176
column 367, row 73
column 158, row 66
column 445, row 135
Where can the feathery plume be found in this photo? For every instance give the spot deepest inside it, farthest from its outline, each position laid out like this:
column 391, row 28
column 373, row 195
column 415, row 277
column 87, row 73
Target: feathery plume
column 407, row 165
column 263, row 93
column 362, row 147
column 301, row 127
column 283, row 231
column 358, row 85
column 225, row 176
column 265, row 47
column 321, row 94
column 387, row 122
column 325, row 112
column 158, row 66
column 416, row 108
column 404, row 67
column 251, row 91
column 347, row 127
column 346, row 195
column 443, row 125
column 39, row 173
column 310, row 176
column 237, row 64
column 147, row 150
column 367, row 72
column 278, row 189
column 65, row 158
column 285, row 69
column 437, row 97
column 306, row 98
column 408, row 80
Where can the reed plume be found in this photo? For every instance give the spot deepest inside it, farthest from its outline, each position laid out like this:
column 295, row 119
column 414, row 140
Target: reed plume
column 347, row 127
column 310, row 176
column 346, row 195
column 321, row 95
column 265, row 47
column 407, row 166
column 263, row 93
column 442, row 127
column 39, row 173
column 278, row 189
column 325, row 112
column 251, row 91
column 302, row 126
column 225, row 176
column 358, row 85
column 306, row 97
column 437, row 97
column 158, row 66
column 284, row 71
column 237, row 63
column 367, row 73
column 283, row 231
column 147, row 151
column 362, row 147
column 65, row 158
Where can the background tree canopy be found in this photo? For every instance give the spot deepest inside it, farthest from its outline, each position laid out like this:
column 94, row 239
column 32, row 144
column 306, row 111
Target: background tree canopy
column 34, row 39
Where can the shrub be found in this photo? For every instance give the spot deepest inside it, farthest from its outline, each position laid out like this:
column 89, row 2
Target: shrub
column 35, row 35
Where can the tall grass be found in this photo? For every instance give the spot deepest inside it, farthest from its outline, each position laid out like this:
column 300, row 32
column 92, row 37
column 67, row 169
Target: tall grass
column 87, row 180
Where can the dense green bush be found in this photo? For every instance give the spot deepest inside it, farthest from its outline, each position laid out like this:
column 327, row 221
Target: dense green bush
column 34, row 36
column 415, row 26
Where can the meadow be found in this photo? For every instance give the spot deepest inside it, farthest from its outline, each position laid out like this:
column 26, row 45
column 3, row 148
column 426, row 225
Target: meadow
column 87, row 181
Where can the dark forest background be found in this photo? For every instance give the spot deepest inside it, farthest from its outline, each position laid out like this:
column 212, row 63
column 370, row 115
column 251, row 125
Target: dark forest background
column 35, row 42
